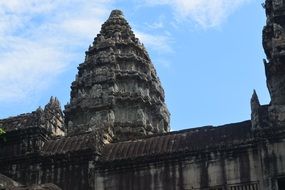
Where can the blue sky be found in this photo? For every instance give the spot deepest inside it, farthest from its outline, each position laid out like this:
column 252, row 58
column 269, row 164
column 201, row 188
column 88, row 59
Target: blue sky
column 208, row 53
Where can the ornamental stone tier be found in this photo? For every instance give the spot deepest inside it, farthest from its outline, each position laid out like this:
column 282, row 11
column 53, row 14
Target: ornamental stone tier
column 117, row 89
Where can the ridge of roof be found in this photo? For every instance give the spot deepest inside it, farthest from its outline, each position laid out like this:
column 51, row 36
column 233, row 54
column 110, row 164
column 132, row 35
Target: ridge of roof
column 184, row 141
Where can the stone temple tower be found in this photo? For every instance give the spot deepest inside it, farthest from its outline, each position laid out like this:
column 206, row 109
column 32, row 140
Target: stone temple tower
column 274, row 47
column 117, row 89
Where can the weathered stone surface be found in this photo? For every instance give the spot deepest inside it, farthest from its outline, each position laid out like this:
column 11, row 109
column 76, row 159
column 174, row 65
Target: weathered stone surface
column 174, row 144
column 89, row 141
column 118, row 128
column 117, row 88
column 233, row 169
column 8, row 184
column 49, row 118
column 26, row 133
column 255, row 106
column 273, row 115
column 274, row 47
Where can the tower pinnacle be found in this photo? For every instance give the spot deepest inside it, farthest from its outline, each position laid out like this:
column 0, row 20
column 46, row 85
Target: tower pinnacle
column 116, row 13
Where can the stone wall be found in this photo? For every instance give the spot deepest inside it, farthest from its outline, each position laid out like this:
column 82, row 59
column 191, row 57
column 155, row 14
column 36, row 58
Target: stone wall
column 252, row 168
column 67, row 173
column 273, row 162
column 66, row 162
column 216, row 170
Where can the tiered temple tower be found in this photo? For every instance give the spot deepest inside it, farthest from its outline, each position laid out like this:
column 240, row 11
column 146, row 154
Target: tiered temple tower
column 272, row 115
column 117, row 89
column 117, row 96
column 274, row 47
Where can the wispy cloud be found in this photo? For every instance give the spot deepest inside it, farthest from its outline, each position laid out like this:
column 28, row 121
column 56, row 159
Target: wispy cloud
column 27, row 67
column 161, row 43
column 206, row 13
column 38, row 40
column 155, row 25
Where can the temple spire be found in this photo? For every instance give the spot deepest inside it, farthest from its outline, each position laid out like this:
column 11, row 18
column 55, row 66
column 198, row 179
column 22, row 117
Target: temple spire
column 117, row 90
column 115, row 28
column 274, row 47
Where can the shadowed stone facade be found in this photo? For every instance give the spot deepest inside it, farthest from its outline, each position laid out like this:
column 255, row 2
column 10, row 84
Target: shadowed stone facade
column 114, row 133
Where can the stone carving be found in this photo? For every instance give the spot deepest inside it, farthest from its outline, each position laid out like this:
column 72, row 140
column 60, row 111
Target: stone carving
column 81, row 93
column 267, row 42
column 96, row 91
column 278, row 42
column 54, row 117
column 274, row 8
column 277, row 3
column 274, row 40
column 118, row 36
column 141, row 118
column 100, row 39
column 96, row 120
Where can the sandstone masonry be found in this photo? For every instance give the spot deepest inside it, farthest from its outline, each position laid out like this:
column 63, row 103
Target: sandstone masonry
column 114, row 133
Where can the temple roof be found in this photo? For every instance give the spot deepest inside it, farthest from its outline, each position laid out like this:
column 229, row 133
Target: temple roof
column 83, row 142
column 190, row 141
column 185, row 141
column 22, row 121
column 50, row 117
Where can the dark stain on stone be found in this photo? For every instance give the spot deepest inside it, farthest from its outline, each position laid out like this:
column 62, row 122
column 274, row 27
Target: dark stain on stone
column 204, row 175
column 244, row 167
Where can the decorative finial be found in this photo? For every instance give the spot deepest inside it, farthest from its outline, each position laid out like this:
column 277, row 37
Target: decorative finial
column 51, row 100
column 53, row 103
column 40, row 109
column 116, row 13
column 254, row 101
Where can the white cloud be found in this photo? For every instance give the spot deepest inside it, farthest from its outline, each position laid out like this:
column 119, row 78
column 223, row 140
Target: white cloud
column 160, row 43
column 37, row 41
column 40, row 38
column 206, row 13
column 155, row 25
column 26, row 68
